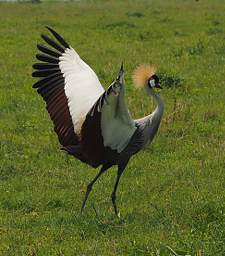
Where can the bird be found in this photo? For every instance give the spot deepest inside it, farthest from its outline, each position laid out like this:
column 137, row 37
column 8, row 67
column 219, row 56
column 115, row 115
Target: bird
column 93, row 125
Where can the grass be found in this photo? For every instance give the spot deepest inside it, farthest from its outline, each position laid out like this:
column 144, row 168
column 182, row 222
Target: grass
column 172, row 193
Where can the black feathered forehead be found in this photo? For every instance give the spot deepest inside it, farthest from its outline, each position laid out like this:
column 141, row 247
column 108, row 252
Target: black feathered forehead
column 155, row 77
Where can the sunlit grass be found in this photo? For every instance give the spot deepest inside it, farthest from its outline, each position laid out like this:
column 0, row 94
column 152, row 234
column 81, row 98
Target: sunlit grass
column 172, row 193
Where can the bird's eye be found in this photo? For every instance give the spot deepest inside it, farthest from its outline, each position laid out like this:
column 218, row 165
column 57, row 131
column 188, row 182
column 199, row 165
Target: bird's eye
column 151, row 83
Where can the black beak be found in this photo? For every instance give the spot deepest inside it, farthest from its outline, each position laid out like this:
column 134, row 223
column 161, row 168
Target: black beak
column 158, row 85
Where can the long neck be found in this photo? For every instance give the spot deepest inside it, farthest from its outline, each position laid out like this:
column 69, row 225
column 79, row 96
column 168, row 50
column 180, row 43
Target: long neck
column 150, row 124
column 158, row 112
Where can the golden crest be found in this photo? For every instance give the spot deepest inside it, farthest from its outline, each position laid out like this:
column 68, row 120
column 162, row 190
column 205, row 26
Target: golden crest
column 142, row 73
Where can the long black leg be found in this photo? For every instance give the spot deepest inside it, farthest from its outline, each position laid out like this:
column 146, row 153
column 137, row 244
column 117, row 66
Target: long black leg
column 113, row 196
column 121, row 168
column 90, row 185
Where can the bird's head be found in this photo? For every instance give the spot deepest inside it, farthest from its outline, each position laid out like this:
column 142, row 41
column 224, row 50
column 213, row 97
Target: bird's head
column 116, row 85
column 153, row 82
column 145, row 77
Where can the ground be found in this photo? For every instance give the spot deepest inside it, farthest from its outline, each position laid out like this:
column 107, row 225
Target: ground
column 172, row 193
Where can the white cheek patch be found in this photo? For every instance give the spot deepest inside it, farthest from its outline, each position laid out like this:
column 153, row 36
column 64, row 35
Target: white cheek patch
column 152, row 83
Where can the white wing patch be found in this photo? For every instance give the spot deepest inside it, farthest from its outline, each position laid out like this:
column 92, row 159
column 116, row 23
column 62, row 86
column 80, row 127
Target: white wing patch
column 116, row 123
column 82, row 86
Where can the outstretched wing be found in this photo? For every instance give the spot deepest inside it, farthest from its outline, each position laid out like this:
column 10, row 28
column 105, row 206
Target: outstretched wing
column 112, row 124
column 68, row 86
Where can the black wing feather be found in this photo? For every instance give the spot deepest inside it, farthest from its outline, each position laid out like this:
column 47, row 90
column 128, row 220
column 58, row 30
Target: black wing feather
column 52, row 43
column 46, row 91
column 46, row 58
column 58, row 37
column 43, row 81
column 51, row 81
column 48, row 51
column 42, row 66
column 45, row 72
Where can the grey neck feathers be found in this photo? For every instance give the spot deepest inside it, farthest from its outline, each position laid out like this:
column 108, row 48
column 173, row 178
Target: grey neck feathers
column 150, row 124
column 158, row 112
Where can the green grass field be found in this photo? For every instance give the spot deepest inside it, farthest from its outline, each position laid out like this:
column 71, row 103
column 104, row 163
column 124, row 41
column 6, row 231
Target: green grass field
column 173, row 192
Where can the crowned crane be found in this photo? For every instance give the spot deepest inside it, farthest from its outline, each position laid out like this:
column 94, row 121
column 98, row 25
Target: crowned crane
column 92, row 124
